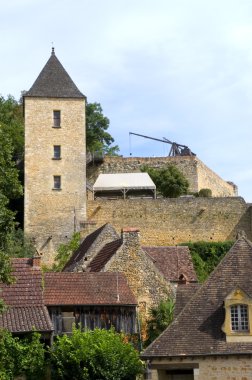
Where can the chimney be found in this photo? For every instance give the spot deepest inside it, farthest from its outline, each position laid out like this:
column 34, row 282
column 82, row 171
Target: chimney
column 130, row 236
column 36, row 261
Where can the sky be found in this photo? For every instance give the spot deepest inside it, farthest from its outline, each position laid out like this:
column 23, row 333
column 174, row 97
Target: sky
column 180, row 69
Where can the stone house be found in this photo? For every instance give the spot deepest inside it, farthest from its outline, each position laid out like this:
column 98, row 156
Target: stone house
column 211, row 335
column 152, row 272
column 51, row 303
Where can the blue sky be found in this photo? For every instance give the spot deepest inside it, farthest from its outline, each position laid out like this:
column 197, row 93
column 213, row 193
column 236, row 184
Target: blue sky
column 178, row 69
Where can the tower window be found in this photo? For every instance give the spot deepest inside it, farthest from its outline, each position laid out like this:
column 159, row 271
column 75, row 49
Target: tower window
column 56, row 152
column 56, row 119
column 239, row 317
column 56, row 182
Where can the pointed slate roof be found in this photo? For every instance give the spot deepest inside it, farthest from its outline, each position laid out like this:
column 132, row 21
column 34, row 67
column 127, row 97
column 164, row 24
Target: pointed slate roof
column 197, row 329
column 54, row 82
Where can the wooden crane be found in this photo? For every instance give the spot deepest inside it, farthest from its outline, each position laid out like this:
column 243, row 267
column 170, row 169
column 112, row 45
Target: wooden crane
column 176, row 149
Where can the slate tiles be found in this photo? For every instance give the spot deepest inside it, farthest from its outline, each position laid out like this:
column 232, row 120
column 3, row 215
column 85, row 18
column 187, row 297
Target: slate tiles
column 197, row 329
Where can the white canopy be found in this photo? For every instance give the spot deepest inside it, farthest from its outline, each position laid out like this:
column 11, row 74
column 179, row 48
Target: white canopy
column 119, row 181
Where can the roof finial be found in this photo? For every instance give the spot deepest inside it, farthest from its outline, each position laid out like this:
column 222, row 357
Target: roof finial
column 53, row 49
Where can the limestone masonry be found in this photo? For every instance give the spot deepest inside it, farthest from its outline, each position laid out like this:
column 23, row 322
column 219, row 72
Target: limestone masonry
column 196, row 172
column 55, row 198
column 168, row 221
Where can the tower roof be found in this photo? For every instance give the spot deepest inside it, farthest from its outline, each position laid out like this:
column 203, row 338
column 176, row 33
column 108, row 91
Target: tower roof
column 54, row 82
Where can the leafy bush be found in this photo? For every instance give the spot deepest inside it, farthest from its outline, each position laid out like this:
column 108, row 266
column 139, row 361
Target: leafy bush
column 98, row 354
column 207, row 255
column 170, row 182
column 21, row 356
column 205, row 193
column 64, row 252
column 161, row 317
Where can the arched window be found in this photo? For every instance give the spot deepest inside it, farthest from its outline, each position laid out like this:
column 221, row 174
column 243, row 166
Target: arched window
column 239, row 318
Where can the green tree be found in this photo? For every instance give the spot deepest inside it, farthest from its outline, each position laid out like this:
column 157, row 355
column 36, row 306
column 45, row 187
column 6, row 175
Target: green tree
column 170, row 182
column 21, row 356
column 11, row 119
column 98, row 354
column 97, row 137
column 160, row 317
column 65, row 251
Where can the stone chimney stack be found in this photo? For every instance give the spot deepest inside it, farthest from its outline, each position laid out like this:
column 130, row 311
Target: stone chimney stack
column 36, row 261
column 130, row 236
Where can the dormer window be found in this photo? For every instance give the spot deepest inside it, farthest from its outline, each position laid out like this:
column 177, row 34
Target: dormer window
column 239, row 318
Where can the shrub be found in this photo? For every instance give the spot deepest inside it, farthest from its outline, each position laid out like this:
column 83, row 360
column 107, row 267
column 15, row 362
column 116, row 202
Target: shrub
column 205, row 193
column 98, row 354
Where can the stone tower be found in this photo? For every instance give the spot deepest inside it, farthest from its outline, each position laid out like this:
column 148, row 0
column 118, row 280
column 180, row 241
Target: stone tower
column 55, row 159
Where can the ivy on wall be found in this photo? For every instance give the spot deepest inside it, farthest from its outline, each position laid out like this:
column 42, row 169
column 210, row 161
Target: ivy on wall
column 207, row 255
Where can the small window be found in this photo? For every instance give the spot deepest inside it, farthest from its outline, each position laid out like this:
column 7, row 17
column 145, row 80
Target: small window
column 57, row 182
column 56, row 119
column 239, row 318
column 56, row 152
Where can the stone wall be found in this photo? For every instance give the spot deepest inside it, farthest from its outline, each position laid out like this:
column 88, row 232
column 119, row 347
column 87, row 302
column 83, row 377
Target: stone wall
column 229, row 367
column 146, row 282
column 172, row 221
column 51, row 216
column 196, row 172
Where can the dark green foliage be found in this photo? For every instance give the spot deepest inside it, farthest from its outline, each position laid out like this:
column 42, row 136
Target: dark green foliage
column 65, row 251
column 11, row 119
column 19, row 245
column 206, row 193
column 160, row 318
column 97, row 137
column 170, row 182
column 207, row 255
column 98, row 354
column 21, row 356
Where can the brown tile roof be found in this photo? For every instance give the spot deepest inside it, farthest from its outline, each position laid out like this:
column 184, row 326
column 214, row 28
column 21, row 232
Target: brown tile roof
column 104, row 255
column 80, row 253
column 85, row 288
column 24, row 319
column 172, row 262
column 54, row 82
column 184, row 293
column 197, row 329
column 24, row 299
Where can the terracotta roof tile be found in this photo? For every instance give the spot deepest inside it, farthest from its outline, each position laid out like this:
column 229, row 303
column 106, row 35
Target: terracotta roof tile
column 172, row 262
column 80, row 253
column 184, row 293
column 26, row 318
column 104, row 255
column 197, row 329
column 24, row 299
column 85, row 288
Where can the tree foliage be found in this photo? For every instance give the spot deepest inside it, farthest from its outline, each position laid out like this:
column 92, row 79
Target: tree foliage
column 207, row 255
column 98, row 354
column 11, row 119
column 97, row 137
column 160, row 317
column 21, row 356
column 65, row 251
column 169, row 180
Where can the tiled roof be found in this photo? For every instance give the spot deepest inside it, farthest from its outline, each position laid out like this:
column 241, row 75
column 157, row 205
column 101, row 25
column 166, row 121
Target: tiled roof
column 85, row 288
column 24, row 299
column 27, row 289
column 172, row 262
column 23, row 319
column 184, row 293
column 54, row 82
column 197, row 329
column 104, row 255
column 80, row 253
